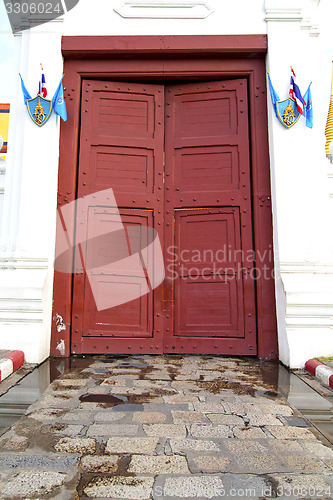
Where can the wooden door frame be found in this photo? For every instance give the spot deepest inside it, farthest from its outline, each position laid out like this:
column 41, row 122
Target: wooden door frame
column 168, row 59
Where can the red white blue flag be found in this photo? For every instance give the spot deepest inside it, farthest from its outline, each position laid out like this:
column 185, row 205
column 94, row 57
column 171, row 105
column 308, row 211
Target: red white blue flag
column 295, row 93
column 42, row 90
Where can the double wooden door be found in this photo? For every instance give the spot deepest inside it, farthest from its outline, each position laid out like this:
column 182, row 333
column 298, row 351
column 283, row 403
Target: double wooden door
column 176, row 158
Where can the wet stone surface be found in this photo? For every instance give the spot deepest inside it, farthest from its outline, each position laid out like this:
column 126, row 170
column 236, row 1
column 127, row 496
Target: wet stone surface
column 164, row 427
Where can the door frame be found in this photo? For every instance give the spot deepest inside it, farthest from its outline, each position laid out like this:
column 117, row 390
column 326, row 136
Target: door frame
column 170, row 59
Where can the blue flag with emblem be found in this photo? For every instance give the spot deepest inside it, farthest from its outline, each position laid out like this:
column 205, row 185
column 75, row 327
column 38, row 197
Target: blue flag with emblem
column 58, row 101
column 308, row 111
column 26, row 94
column 274, row 95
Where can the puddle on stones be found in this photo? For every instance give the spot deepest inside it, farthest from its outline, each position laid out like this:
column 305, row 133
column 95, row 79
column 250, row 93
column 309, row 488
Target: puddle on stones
column 252, row 377
column 112, row 401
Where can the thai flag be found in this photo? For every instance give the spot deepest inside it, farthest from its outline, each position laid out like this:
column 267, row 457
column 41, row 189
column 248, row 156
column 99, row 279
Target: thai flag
column 295, row 93
column 42, row 90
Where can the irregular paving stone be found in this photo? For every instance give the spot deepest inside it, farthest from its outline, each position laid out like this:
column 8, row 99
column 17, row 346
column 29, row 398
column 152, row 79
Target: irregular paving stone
column 290, row 432
column 295, row 421
column 162, row 407
column 303, row 464
column 15, row 442
column 185, row 386
column 248, row 486
column 169, row 430
column 149, row 417
column 112, row 430
column 159, row 376
column 77, row 416
column 113, row 382
column 284, row 446
column 75, row 445
column 108, row 416
column 144, row 445
column 241, row 447
column 69, row 383
column 125, row 391
column 210, row 464
column 276, row 409
column 68, row 430
column 181, row 399
column 87, row 406
column 33, row 483
column 318, row 449
column 248, row 433
column 99, row 390
column 200, row 430
column 46, row 415
column 36, row 461
column 256, row 464
column 188, row 487
column 92, row 463
column 64, row 401
column 220, row 418
column 143, row 464
column 260, row 420
column 302, row 486
column 209, row 407
column 181, row 445
column 151, row 384
column 136, row 488
column 188, row 417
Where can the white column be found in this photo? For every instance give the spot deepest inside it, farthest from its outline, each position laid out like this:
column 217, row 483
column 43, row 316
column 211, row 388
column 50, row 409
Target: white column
column 302, row 235
column 28, row 232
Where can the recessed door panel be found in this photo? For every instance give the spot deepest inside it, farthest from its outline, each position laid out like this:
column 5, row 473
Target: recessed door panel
column 210, row 294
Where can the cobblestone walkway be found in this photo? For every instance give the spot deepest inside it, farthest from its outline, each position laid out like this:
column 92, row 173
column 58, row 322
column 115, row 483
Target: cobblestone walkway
column 164, row 427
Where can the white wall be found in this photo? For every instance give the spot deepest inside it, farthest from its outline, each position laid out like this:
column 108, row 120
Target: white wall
column 302, row 218
column 236, row 17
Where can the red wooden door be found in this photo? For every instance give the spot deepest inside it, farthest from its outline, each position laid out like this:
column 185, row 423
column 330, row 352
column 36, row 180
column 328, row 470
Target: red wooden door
column 209, row 285
column 121, row 147
column 198, row 200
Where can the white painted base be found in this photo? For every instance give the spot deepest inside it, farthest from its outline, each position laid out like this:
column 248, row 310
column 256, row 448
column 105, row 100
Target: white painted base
column 25, row 309
column 309, row 313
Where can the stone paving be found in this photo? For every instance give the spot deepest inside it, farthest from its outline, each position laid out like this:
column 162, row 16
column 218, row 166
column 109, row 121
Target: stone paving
column 164, row 427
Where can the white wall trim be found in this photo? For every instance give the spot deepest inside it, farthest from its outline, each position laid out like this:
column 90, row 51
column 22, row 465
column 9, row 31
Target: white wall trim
column 166, row 9
column 6, row 262
column 306, row 15
column 305, row 267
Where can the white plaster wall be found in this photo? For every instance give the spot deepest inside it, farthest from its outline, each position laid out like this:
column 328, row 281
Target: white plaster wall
column 29, row 212
column 302, row 216
column 236, row 17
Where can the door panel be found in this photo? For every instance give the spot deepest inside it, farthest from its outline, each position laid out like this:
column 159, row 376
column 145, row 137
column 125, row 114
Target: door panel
column 121, row 147
column 208, row 292
column 210, row 295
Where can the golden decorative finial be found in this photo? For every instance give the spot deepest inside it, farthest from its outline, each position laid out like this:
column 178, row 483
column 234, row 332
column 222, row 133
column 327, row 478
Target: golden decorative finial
column 329, row 123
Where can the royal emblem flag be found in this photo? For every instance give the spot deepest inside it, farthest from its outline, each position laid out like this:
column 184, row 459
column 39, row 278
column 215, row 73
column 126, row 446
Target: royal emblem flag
column 308, row 111
column 58, row 102
column 39, row 109
column 26, row 94
column 275, row 98
column 287, row 112
column 295, row 93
